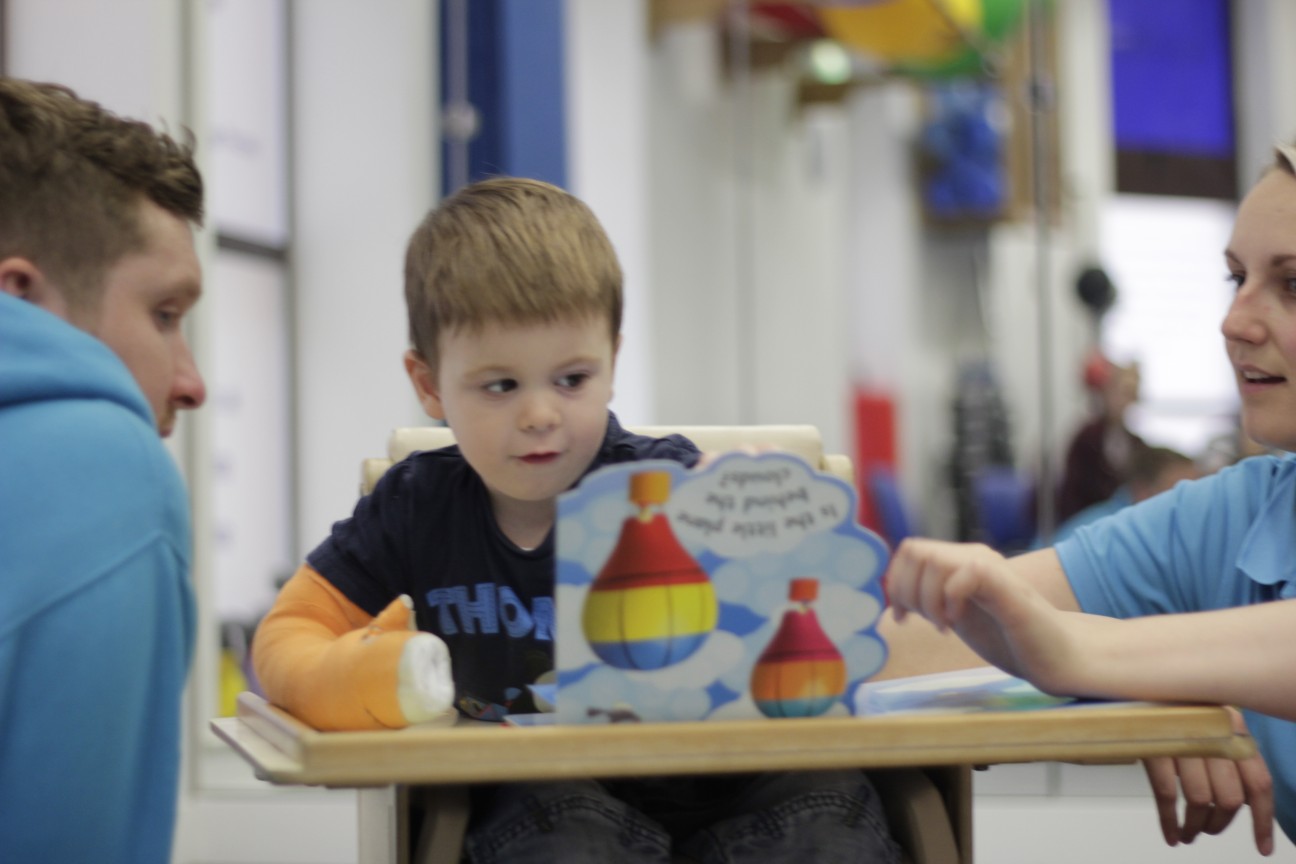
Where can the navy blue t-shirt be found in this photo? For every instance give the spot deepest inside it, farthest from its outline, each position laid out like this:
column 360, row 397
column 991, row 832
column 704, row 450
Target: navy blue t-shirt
column 427, row 530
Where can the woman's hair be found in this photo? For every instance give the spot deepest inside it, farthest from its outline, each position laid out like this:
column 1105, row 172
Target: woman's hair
column 72, row 177
column 508, row 250
column 1285, row 158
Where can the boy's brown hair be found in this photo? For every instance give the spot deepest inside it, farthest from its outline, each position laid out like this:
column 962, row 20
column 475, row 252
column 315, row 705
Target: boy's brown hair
column 508, row 250
column 72, row 175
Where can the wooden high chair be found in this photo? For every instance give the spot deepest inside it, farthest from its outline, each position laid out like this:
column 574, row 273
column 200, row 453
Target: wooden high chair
column 804, row 441
column 929, row 810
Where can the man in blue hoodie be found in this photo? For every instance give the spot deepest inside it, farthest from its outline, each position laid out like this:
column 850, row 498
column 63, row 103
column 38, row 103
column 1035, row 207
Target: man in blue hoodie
column 97, row 271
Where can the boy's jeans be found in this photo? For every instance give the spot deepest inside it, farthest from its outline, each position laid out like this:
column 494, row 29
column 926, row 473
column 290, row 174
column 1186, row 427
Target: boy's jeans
column 802, row 817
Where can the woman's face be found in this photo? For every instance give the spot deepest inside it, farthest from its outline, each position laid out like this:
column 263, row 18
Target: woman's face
column 1260, row 327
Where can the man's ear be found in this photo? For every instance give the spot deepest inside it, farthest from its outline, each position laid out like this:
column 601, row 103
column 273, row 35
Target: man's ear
column 20, row 278
column 424, row 379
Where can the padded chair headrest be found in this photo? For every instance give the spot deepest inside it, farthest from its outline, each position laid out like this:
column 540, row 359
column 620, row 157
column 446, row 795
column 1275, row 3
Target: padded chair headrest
column 803, row 440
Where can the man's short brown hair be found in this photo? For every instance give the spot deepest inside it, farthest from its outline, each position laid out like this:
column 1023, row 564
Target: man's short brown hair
column 72, row 176
column 508, row 250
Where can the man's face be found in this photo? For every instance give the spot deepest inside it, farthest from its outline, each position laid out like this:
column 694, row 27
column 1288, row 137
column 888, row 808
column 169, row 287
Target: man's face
column 145, row 297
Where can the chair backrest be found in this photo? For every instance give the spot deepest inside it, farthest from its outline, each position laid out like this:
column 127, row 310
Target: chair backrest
column 803, row 440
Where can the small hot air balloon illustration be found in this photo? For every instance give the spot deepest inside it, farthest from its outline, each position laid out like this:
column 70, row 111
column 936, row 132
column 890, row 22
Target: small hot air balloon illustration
column 800, row 673
column 651, row 605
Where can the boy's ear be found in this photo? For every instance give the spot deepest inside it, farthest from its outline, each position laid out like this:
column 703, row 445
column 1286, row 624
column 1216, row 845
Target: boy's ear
column 423, row 377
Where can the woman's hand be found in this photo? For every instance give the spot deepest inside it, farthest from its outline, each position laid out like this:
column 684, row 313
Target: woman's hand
column 970, row 589
column 1213, row 791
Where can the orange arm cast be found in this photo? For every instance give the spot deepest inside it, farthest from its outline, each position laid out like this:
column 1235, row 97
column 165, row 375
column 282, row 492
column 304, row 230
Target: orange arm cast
column 327, row 661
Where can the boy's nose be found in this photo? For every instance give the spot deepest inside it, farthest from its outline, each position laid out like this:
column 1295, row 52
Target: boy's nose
column 539, row 413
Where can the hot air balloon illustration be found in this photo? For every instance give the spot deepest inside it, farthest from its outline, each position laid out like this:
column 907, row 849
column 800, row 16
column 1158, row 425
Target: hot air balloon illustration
column 651, row 605
column 800, row 673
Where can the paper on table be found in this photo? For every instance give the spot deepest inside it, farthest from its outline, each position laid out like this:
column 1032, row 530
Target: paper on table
column 962, row 691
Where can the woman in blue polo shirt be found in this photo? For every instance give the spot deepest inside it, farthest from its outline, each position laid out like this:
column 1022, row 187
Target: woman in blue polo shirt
column 1204, row 575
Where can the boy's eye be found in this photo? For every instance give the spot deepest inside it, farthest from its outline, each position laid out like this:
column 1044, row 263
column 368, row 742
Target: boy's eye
column 574, row 380
column 1236, row 278
column 166, row 319
column 504, row 385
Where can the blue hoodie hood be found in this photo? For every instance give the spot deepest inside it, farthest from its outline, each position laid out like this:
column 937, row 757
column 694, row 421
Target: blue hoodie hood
column 44, row 357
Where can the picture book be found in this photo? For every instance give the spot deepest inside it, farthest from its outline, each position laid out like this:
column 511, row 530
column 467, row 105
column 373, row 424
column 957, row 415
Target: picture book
column 964, row 691
column 984, row 688
column 745, row 589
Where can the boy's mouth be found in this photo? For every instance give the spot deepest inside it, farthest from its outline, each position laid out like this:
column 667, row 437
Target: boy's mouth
column 539, row 458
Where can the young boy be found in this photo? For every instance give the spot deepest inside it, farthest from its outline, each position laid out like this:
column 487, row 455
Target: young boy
column 514, row 299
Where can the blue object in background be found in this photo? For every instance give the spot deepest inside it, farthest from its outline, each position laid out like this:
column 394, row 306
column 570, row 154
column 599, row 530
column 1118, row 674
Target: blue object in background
column 889, row 503
column 515, row 52
column 1005, row 499
column 964, row 143
column 1172, row 85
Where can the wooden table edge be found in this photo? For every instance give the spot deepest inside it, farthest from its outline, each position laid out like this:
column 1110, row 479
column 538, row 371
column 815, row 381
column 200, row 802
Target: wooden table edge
column 283, row 750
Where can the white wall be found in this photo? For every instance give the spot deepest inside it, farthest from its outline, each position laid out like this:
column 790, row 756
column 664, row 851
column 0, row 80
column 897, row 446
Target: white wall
column 748, row 207
column 692, row 230
column 127, row 54
column 365, row 173
column 607, row 85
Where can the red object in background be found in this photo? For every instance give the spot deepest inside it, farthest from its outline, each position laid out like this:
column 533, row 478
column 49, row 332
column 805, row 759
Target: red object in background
column 1097, row 370
column 787, row 20
column 875, row 444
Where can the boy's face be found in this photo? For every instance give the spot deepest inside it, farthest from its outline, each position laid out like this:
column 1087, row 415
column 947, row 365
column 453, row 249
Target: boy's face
column 1260, row 328
column 527, row 403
